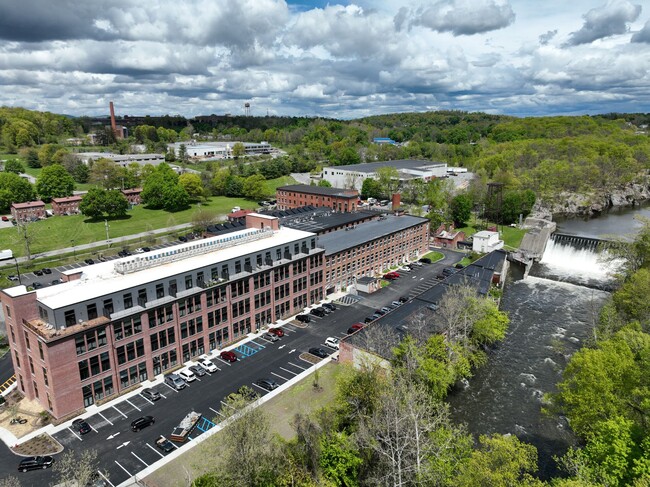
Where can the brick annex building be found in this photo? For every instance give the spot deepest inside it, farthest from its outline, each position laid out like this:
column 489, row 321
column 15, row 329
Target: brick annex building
column 115, row 324
column 298, row 195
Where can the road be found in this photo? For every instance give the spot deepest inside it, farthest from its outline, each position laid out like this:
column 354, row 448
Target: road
column 124, row 453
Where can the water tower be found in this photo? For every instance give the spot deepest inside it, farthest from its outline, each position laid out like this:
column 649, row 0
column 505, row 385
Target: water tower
column 247, row 109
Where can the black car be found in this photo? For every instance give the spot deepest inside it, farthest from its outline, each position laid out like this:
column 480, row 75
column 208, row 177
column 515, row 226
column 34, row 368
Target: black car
column 142, row 422
column 319, row 352
column 403, row 299
column 380, row 312
column 459, row 266
column 56, row 281
column 268, row 384
column 164, row 444
column 81, row 426
column 182, row 238
column 47, row 270
column 37, row 285
column 303, row 318
column 320, row 312
column 425, row 260
column 124, row 253
column 150, row 394
column 38, row 273
column 330, row 306
column 35, row 463
column 89, row 261
column 369, row 319
column 146, row 249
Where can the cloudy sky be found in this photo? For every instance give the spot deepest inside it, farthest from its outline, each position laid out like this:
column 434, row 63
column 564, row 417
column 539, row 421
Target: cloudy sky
column 319, row 58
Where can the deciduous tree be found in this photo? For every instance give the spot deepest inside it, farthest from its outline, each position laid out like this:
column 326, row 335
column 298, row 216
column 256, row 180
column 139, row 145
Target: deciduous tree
column 54, row 182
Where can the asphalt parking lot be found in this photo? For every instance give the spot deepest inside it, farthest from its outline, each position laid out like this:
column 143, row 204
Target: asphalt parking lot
column 123, row 453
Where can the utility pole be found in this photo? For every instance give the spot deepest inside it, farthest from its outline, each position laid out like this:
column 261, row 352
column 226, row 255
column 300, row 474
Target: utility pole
column 18, row 271
column 107, row 237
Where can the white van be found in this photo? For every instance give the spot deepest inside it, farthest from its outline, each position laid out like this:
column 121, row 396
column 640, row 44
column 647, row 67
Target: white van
column 372, row 201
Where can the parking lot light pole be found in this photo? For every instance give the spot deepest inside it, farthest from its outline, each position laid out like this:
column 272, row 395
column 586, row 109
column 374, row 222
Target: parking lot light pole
column 74, row 250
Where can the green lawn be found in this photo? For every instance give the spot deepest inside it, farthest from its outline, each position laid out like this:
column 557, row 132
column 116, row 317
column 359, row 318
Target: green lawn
column 301, row 398
column 511, row 235
column 273, row 184
column 434, row 256
column 60, row 231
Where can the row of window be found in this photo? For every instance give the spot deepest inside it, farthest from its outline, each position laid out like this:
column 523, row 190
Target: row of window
column 94, row 366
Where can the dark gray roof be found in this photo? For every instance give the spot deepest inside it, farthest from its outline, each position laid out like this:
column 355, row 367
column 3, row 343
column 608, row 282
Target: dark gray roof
column 321, row 190
column 370, row 167
column 334, row 242
column 478, row 274
column 318, row 220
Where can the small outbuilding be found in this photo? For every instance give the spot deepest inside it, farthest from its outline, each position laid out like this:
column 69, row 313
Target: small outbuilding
column 486, row 241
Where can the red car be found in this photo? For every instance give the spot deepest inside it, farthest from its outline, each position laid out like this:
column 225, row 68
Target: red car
column 5, row 219
column 276, row 331
column 228, row 356
column 355, row 327
column 391, row 275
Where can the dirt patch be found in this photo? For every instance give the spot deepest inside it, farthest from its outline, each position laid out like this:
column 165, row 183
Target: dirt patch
column 18, row 406
column 40, row 445
column 309, row 358
column 298, row 324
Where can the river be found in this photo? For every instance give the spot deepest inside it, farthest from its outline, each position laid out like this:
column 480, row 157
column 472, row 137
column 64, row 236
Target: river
column 552, row 312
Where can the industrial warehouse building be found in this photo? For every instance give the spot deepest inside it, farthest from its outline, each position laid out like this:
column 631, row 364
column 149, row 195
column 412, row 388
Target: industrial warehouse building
column 298, row 195
column 352, row 176
column 113, row 325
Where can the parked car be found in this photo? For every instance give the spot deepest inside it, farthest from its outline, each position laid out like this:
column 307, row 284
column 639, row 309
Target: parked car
column 425, row 260
column 458, row 265
column 187, row 375
column 303, row 318
column 330, row 306
column 12, row 277
column 268, row 384
column 369, row 319
column 175, row 382
column 146, row 249
column 380, row 312
column 164, row 444
column 198, row 370
column 182, row 238
column 317, row 312
column 46, row 270
column 385, row 309
column 326, row 310
column 89, row 261
column 415, row 262
column 142, row 422
column 150, row 394
column 433, row 307
column 332, row 342
column 139, row 250
column 228, row 356
column 208, row 365
column 403, row 299
column 276, row 331
column 270, row 337
column 35, row 463
column 355, row 327
column 396, row 303
column 36, row 285
column 38, row 272
column 81, row 426
column 123, row 253
column 56, row 281
column 319, row 352
column 405, row 268
column 5, row 218
column 389, row 277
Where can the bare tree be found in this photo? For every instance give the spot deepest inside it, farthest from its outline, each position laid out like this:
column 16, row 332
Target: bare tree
column 457, row 312
column 202, row 218
column 78, row 469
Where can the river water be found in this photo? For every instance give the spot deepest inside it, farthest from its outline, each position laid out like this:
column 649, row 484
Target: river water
column 552, row 312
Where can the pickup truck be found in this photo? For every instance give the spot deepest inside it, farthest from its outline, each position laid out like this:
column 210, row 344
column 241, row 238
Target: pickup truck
column 164, row 444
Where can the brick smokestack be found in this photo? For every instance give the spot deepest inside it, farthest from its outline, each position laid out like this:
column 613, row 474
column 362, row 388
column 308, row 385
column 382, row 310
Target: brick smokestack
column 113, row 126
column 396, row 201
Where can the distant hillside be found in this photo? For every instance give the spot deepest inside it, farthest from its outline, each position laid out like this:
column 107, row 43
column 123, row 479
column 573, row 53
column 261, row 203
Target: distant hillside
column 25, row 128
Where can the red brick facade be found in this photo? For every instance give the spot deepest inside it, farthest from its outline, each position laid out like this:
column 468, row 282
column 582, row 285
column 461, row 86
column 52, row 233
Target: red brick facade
column 296, row 196
column 28, row 211
column 447, row 237
column 133, row 195
column 68, row 205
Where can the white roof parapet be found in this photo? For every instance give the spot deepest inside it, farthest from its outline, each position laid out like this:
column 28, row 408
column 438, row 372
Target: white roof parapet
column 141, row 262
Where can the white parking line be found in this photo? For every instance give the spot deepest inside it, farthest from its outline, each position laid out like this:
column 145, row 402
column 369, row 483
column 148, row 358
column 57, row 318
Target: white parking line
column 133, row 405
column 93, row 428
column 145, row 399
column 259, row 387
column 302, row 368
column 105, row 478
column 221, row 360
column 227, row 405
column 161, row 455
column 136, row 456
column 287, row 370
column 163, row 396
column 127, row 472
column 105, row 418
column 71, row 431
column 217, row 412
column 125, row 416
column 278, row 375
column 258, row 344
column 170, row 388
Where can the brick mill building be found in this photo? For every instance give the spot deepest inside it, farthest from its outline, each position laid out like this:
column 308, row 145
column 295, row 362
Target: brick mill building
column 114, row 324
column 369, row 249
column 298, row 195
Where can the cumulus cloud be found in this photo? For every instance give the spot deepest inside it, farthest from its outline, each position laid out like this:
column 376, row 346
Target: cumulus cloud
column 465, row 17
column 546, row 38
column 643, row 35
column 608, row 20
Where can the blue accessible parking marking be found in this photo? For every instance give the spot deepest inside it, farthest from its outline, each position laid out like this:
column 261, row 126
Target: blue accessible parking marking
column 204, row 424
column 246, row 351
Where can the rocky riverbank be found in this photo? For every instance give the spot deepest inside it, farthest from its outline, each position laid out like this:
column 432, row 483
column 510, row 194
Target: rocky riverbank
column 588, row 205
